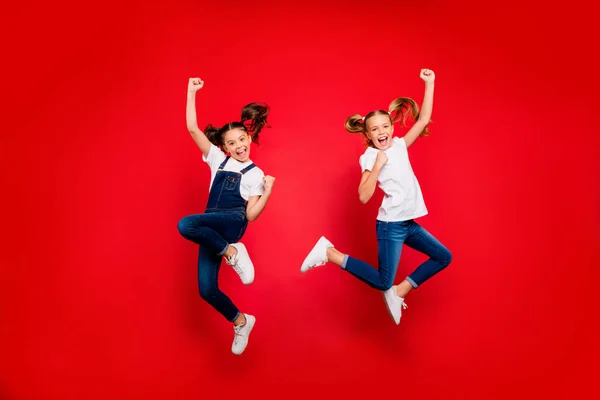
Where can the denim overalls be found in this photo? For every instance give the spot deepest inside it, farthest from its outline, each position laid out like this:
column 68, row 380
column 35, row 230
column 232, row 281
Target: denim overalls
column 223, row 222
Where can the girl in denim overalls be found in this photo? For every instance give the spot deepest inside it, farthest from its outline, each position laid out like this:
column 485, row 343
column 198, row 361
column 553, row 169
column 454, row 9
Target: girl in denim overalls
column 385, row 162
column 239, row 192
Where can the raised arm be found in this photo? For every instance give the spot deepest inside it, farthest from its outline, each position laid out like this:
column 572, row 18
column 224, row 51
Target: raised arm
column 426, row 109
column 199, row 137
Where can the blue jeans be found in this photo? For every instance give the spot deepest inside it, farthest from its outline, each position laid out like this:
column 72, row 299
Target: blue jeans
column 390, row 238
column 214, row 232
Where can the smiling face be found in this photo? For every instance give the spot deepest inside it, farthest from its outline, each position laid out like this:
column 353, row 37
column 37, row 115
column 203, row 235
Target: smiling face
column 379, row 130
column 237, row 143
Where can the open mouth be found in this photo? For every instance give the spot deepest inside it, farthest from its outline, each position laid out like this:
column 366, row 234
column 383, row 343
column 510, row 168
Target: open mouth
column 383, row 141
column 241, row 153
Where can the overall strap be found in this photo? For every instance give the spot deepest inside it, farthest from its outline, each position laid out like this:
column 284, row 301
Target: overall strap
column 248, row 168
column 224, row 162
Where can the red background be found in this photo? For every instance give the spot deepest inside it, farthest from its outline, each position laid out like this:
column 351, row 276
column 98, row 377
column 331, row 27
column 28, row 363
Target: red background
column 98, row 292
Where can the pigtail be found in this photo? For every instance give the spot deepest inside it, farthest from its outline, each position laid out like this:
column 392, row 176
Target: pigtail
column 405, row 107
column 355, row 124
column 212, row 133
column 254, row 118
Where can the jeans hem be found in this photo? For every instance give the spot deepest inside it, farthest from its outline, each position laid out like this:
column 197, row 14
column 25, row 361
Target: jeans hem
column 236, row 317
column 346, row 256
column 223, row 251
column 412, row 282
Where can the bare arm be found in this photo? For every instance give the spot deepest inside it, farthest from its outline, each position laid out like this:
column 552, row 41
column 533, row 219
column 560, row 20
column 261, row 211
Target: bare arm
column 199, row 137
column 368, row 181
column 256, row 204
column 426, row 109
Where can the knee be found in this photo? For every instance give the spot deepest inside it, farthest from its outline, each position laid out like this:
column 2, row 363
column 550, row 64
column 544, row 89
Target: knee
column 183, row 226
column 445, row 258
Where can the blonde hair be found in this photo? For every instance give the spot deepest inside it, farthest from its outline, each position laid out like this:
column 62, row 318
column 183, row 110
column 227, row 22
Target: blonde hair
column 399, row 110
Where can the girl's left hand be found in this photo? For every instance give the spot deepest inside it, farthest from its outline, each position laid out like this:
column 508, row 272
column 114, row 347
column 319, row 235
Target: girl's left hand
column 427, row 75
column 268, row 181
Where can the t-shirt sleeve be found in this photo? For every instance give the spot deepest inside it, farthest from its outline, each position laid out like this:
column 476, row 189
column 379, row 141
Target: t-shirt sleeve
column 215, row 157
column 257, row 185
column 367, row 161
column 400, row 141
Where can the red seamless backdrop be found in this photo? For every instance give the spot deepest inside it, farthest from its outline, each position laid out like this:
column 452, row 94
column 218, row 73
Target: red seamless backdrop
column 98, row 292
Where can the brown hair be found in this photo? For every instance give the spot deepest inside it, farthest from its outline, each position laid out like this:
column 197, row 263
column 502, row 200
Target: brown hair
column 402, row 107
column 254, row 118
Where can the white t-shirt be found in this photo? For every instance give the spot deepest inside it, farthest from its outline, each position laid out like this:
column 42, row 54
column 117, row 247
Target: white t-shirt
column 403, row 199
column 252, row 181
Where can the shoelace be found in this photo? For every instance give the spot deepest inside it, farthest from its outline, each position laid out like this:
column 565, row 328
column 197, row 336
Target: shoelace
column 233, row 261
column 238, row 333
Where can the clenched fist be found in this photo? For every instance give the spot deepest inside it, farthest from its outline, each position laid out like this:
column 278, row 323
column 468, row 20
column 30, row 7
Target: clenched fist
column 195, row 84
column 268, row 181
column 381, row 159
column 427, row 75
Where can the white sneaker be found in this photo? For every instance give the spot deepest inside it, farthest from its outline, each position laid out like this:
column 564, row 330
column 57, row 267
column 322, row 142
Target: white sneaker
column 241, row 333
column 317, row 256
column 394, row 303
column 241, row 263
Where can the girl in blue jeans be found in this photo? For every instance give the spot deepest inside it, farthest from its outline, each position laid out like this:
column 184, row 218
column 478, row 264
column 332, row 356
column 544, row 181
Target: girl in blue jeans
column 239, row 192
column 386, row 163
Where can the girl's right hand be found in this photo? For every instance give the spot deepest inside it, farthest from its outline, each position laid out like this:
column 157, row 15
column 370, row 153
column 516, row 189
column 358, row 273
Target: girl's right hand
column 381, row 159
column 195, row 84
column 427, row 75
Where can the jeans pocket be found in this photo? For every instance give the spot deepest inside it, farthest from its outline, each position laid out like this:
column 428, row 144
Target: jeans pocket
column 231, row 182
